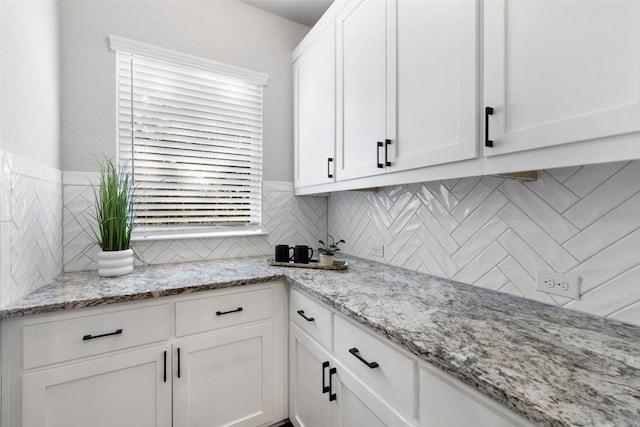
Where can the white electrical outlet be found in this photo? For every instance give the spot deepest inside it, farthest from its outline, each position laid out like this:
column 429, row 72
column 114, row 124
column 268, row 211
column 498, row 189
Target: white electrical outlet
column 376, row 251
column 565, row 285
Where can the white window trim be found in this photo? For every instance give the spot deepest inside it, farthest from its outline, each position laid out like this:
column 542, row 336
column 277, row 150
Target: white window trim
column 199, row 233
column 117, row 43
column 136, row 47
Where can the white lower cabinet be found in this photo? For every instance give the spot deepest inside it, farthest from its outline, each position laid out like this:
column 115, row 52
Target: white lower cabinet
column 309, row 404
column 225, row 378
column 367, row 381
column 209, row 359
column 445, row 401
column 218, row 359
column 322, row 392
column 127, row 390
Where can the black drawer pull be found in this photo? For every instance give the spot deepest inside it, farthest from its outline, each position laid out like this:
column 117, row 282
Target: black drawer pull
column 178, row 362
column 356, row 353
column 164, row 375
column 332, row 395
column 378, row 146
column 488, row 111
column 325, row 387
column 237, row 310
column 308, row 319
column 329, row 174
column 387, row 143
column 93, row 337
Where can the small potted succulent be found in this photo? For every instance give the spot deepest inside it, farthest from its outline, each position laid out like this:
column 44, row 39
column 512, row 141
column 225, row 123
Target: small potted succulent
column 328, row 250
column 114, row 215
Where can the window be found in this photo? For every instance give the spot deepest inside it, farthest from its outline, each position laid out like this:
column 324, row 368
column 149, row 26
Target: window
column 190, row 131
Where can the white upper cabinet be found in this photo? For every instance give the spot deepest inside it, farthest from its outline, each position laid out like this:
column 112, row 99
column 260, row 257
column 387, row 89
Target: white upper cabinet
column 420, row 85
column 362, row 89
column 436, row 81
column 557, row 72
column 315, row 110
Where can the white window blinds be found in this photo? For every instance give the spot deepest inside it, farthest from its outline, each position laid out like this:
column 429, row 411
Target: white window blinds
column 193, row 141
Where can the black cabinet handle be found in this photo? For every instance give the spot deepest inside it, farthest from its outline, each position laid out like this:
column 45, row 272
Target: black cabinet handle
column 356, row 353
column 308, row 319
column 178, row 362
column 93, row 337
column 332, row 395
column 387, row 143
column 488, row 111
column 164, row 375
column 380, row 144
column 220, row 313
column 325, row 387
column 329, row 174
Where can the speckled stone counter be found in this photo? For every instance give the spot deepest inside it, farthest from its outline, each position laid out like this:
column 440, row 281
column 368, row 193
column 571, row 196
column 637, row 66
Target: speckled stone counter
column 553, row 366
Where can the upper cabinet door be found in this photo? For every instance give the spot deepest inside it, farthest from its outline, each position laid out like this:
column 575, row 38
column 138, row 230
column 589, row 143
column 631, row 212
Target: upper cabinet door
column 557, row 72
column 315, row 111
column 436, row 81
column 361, row 107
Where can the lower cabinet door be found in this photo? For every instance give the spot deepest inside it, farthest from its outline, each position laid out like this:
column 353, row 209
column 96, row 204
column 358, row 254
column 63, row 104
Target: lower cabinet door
column 445, row 401
column 309, row 370
column 323, row 393
column 225, row 378
column 126, row 390
column 359, row 406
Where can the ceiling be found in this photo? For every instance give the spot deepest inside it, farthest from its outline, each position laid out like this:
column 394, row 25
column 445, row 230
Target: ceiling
column 305, row 12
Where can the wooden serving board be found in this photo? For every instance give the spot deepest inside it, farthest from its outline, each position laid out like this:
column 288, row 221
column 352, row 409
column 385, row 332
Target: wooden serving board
column 337, row 265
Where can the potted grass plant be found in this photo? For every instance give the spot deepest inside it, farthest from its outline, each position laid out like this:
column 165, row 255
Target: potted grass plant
column 114, row 215
column 328, row 250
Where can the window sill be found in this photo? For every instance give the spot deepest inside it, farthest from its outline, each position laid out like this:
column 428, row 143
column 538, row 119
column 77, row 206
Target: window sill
column 196, row 234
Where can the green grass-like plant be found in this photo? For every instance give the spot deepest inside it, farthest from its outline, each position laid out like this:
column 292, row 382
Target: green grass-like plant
column 115, row 211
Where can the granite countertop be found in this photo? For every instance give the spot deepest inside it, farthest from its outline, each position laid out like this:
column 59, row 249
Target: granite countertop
column 554, row 366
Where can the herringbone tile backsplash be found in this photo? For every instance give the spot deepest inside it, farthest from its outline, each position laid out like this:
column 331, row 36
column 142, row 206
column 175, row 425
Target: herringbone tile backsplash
column 288, row 220
column 487, row 231
column 495, row 233
column 30, row 226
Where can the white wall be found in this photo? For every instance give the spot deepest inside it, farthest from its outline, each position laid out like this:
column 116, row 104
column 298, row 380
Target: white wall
column 30, row 177
column 228, row 31
column 29, row 80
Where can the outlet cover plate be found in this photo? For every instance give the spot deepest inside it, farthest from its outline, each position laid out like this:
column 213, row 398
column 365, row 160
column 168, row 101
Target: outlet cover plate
column 377, row 251
column 564, row 285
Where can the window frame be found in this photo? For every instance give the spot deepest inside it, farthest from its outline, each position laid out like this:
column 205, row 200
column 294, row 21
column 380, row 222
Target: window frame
column 128, row 46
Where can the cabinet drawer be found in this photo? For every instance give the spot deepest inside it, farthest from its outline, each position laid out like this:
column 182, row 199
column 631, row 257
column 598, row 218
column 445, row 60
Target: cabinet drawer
column 206, row 314
column 56, row 341
column 389, row 373
column 301, row 312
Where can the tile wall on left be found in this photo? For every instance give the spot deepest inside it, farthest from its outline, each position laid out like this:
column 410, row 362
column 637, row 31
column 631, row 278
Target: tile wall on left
column 30, row 225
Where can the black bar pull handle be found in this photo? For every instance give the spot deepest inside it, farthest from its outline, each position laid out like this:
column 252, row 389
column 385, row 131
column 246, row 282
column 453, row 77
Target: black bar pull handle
column 329, row 174
column 380, row 144
column 93, row 337
column 220, row 313
column 488, row 111
column 308, row 319
column 356, row 353
column 332, row 395
column 164, row 375
column 178, row 362
column 325, row 387
column 387, row 143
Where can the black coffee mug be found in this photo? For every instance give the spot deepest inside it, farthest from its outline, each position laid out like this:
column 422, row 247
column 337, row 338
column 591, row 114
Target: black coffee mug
column 301, row 254
column 282, row 253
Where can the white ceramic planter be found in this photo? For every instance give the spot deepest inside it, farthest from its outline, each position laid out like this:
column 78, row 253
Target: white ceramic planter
column 326, row 260
column 115, row 263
